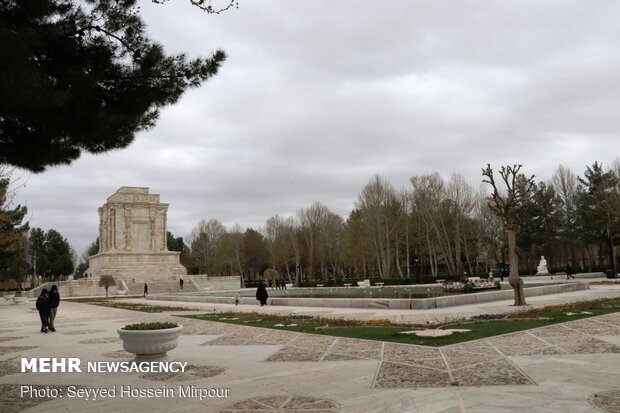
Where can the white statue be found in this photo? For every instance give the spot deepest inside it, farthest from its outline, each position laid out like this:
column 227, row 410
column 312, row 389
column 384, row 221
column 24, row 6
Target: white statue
column 542, row 266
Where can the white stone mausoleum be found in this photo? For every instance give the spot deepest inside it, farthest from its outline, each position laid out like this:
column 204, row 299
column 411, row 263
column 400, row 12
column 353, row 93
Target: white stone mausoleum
column 132, row 239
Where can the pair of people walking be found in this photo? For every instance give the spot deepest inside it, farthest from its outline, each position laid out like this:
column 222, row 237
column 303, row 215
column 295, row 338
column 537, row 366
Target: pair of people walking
column 47, row 305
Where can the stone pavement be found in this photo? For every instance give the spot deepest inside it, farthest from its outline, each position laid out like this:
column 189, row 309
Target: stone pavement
column 571, row 367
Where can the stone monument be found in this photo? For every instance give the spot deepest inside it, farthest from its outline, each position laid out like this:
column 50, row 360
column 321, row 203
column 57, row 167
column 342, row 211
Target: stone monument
column 542, row 266
column 132, row 239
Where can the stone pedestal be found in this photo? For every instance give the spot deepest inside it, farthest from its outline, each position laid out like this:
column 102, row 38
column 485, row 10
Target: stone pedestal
column 132, row 239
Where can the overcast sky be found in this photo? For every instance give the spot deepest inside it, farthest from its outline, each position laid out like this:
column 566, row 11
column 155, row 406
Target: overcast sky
column 317, row 96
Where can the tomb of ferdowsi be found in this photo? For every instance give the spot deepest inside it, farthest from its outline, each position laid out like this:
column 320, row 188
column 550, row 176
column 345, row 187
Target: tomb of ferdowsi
column 132, row 239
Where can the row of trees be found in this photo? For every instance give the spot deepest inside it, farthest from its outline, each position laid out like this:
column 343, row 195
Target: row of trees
column 24, row 250
column 45, row 254
column 435, row 226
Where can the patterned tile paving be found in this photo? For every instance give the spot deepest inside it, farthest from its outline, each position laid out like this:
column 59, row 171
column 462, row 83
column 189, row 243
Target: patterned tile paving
column 607, row 401
column 401, row 352
column 296, row 354
column 516, row 343
column 282, row 404
column 589, row 346
column 103, row 340
column 594, row 327
column 340, row 357
column 118, row 354
column 397, row 375
column 492, row 373
column 478, row 363
column 314, row 342
column 226, row 341
column 543, row 351
column 361, row 347
column 192, row 372
column 8, row 367
column 78, row 332
column 3, row 339
column 12, row 402
column 8, row 350
column 458, row 359
column 278, row 338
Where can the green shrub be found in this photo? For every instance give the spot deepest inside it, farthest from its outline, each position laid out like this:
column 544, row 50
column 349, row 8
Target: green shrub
column 150, row 326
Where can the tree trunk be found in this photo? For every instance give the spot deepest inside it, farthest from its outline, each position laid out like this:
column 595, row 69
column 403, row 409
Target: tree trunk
column 514, row 280
column 400, row 271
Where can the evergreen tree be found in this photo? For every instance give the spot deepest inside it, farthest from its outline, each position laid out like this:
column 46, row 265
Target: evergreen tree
column 11, row 227
column 83, row 75
column 255, row 252
column 539, row 223
column 52, row 251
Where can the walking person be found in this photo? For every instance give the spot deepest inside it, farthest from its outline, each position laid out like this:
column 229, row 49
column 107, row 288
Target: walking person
column 261, row 294
column 237, row 298
column 43, row 306
column 54, row 299
column 146, row 289
column 569, row 272
column 181, row 282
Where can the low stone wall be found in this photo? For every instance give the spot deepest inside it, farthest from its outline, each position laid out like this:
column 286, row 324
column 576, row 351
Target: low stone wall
column 90, row 288
column 74, row 288
column 207, row 282
column 454, row 300
column 385, row 303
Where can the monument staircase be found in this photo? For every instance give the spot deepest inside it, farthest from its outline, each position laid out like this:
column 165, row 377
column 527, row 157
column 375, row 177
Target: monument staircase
column 86, row 287
column 160, row 287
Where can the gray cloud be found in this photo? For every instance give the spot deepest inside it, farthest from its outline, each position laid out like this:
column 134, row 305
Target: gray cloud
column 317, row 96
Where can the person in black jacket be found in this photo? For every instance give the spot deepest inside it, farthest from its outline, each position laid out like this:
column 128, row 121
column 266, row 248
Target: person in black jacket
column 261, row 294
column 54, row 300
column 43, row 305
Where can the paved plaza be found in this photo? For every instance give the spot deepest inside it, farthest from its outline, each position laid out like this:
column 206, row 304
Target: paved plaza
column 569, row 367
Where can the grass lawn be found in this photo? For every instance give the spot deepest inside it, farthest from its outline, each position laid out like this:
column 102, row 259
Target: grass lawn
column 389, row 332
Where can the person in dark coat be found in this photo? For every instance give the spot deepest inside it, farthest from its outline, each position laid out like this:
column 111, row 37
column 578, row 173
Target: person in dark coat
column 43, row 305
column 54, row 299
column 146, row 289
column 181, row 282
column 261, row 294
column 569, row 272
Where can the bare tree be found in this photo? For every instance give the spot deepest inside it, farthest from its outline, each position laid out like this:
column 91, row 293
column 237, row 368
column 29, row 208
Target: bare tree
column 209, row 6
column 490, row 227
column 106, row 281
column 312, row 220
column 434, row 208
column 568, row 189
column 204, row 240
column 292, row 231
column 405, row 200
column 506, row 205
column 332, row 230
column 379, row 210
column 236, row 239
